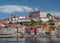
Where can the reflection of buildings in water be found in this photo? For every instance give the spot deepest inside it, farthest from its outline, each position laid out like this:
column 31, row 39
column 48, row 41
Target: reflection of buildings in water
column 21, row 39
column 30, row 40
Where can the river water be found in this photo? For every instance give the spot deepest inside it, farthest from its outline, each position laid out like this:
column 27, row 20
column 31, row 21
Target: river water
column 27, row 40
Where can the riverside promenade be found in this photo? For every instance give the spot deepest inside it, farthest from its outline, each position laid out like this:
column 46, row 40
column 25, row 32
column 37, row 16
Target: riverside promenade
column 21, row 38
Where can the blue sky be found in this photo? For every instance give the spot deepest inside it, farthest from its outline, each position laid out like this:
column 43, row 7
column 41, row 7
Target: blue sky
column 23, row 7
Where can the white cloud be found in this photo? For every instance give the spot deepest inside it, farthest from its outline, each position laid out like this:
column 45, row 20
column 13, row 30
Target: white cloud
column 55, row 13
column 36, row 9
column 18, row 8
column 15, row 8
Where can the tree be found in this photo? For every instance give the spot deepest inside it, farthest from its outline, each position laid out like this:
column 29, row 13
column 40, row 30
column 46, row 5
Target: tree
column 51, row 23
column 40, row 22
column 32, row 23
column 47, row 33
column 52, row 26
column 49, row 15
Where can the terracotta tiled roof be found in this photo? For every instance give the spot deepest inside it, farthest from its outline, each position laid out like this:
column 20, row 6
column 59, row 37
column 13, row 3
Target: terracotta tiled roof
column 26, row 16
column 2, row 21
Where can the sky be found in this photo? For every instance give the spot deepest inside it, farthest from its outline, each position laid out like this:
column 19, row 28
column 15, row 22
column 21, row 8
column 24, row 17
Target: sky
column 23, row 7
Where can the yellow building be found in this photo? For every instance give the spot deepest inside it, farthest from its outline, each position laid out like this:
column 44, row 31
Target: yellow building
column 23, row 28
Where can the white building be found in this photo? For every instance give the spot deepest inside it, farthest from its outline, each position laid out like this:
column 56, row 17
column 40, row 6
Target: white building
column 39, row 14
column 24, row 19
column 15, row 19
column 45, row 19
column 43, row 14
column 36, row 19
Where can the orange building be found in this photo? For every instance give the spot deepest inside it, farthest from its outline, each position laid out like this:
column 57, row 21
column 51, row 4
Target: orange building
column 46, row 26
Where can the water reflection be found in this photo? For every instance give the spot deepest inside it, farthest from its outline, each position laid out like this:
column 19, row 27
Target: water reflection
column 52, row 41
column 27, row 40
column 30, row 40
column 36, row 40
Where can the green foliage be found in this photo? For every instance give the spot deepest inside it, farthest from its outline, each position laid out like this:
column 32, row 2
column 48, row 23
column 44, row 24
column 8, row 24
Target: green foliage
column 39, row 22
column 33, row 23
column 51, row 23
column 49, row 14
column 47, row 33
